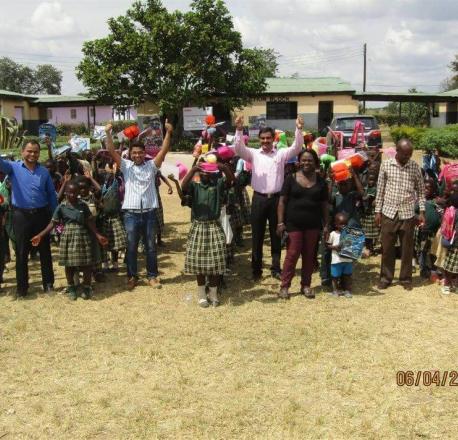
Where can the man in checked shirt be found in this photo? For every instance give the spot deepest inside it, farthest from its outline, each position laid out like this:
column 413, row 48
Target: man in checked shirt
column 400, row 185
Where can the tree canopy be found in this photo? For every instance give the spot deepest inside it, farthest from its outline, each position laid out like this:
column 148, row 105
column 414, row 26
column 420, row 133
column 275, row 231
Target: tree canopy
column 412, row 113
column 175, row 58
column 451, row 83
column 19, row 78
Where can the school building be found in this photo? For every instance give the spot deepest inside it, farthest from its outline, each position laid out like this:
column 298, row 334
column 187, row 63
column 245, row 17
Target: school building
column 317, row 100
column 31, row 111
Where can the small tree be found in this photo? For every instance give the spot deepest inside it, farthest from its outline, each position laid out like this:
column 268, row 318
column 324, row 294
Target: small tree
column 451, row 83
column 176, row 59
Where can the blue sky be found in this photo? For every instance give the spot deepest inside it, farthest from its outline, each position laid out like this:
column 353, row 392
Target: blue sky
column 410, row 42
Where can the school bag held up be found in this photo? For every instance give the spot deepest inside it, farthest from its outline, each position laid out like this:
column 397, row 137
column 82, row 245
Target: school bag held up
column 352, row 243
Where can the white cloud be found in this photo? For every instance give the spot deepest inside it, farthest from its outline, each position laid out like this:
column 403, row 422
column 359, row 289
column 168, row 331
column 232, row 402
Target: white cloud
column 49, row 20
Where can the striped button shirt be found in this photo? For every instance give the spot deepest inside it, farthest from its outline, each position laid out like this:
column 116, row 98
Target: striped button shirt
column 399, row 188
column 140, row 189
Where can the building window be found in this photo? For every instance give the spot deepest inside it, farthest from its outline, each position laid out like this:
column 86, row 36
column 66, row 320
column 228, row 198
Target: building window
column 73, row 113
column 49, row 114
column 282, row 110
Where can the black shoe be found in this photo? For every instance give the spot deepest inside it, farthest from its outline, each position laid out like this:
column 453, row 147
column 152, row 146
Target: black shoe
column 276, row 274
column 21, row 294
column 49, row 288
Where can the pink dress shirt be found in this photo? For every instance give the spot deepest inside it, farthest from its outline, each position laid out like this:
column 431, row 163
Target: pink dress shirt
column 268, row 168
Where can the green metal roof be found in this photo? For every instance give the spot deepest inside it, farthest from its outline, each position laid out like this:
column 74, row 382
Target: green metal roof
column 453, row 92
column 308, row 85
column 13, row 94
column 55, row 99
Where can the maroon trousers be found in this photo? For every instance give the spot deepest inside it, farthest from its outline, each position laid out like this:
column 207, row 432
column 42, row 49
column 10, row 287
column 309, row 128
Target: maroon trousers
column 300, row 243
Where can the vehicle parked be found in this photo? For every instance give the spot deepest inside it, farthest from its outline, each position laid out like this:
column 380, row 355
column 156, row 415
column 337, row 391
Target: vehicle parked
column 343, row 126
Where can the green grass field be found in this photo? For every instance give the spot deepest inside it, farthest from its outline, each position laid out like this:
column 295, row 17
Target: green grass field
column 152, row 364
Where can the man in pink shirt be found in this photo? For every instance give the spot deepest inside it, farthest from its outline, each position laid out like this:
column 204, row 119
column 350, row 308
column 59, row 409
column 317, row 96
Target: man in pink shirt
column 268, row 173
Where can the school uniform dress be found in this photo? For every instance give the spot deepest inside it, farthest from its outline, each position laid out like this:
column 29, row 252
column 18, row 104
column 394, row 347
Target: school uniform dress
column 451, row 258
column 75, row 248
column 111, row 225
column 206, row 245
column 371, row 231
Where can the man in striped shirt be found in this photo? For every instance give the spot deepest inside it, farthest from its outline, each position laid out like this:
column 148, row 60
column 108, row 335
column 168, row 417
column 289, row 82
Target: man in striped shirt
column 140, row 203
column 400, row 186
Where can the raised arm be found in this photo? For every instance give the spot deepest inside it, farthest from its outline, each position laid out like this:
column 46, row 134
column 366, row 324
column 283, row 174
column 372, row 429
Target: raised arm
column 110, row 146
column 228, row 173
column 298, row 143
column 358, row 184
column 5, row 166
column 188, row 178
column 240, row 148
column 165, row 145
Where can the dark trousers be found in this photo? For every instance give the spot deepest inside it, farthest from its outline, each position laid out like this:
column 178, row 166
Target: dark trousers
column 27, row 224
column 300, row 243
column 391, row 229
column 264, row 209
column 3, row 249
column 325, row 264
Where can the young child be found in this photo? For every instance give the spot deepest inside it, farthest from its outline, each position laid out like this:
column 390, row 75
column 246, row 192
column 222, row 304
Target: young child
column 371, row 231
column 110, row 221
column 346, row 199
column 424, row 235
column 450, row 266
column 75, row 251
column 206, row 245
column 341, row 267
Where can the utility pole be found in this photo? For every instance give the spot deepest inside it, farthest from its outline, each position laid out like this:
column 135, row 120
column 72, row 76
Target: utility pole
column 364, row 75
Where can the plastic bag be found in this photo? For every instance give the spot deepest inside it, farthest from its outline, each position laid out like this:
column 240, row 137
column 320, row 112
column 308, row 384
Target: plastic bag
column 224, row 220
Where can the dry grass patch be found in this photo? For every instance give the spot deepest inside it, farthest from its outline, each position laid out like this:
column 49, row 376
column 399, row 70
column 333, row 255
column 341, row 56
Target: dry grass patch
column 149, row 364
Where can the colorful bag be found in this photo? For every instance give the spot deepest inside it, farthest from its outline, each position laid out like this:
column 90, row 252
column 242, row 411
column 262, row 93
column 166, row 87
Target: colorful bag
column 4, row 194
column 352, row 243
column 449, row 173
column 448, row 227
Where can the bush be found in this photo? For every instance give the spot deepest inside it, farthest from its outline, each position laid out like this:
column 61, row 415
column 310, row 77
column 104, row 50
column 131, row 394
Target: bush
column 415, row 134
column 67, row 129
column 444, row 139
column 184, row 144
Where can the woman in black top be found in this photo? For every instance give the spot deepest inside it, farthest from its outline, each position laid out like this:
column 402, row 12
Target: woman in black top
column 302, row 212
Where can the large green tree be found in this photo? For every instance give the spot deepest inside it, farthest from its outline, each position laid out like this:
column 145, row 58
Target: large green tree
column 19, row 78
column 175, row 58
column 451, row 83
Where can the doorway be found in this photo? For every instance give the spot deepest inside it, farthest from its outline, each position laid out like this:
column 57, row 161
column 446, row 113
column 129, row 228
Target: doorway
column 451, row 117
column 325, row 114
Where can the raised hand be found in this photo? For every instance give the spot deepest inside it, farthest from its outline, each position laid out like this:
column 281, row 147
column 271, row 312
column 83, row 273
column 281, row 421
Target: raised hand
column 239, row 122
column 300, row 123
column 168, row 126
column 108, row 128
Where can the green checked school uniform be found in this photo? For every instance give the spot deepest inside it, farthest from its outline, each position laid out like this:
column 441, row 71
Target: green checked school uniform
column 76, row 240
column 206, row 245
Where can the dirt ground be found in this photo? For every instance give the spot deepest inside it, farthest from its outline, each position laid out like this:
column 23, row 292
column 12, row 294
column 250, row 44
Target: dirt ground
column 152, row 364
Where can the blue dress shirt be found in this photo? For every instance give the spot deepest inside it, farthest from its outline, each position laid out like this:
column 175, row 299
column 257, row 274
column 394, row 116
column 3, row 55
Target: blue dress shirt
column 31, row 189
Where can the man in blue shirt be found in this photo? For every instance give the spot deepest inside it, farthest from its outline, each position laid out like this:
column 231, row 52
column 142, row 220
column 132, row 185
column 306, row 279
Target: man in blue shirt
column 33, row 202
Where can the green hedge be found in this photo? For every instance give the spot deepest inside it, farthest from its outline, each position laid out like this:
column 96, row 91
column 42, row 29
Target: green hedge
column 445, row 139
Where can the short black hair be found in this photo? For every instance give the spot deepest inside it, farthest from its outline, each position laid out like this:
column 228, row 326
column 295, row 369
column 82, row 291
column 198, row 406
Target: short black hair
column 32, row 142
column 316, row 159
column 266, row 130
column 137, row 144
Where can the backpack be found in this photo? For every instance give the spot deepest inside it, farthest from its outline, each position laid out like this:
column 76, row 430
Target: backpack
column 449, row 174
column 448, row 227
column 110, row 198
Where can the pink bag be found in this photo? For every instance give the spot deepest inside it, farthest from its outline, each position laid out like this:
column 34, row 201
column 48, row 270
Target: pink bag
column 448, row 223
column 449, row 173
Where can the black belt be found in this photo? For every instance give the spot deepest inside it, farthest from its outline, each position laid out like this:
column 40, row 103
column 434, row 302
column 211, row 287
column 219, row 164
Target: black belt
column 31, row 211
column 269, row 196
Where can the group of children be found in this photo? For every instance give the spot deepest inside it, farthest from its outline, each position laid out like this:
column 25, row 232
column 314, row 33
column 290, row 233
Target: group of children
column 90, row 191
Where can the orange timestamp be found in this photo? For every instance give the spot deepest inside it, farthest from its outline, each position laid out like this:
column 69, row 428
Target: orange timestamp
column 427, row 378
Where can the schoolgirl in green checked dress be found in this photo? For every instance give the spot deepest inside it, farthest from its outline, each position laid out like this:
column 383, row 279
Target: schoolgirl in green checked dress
column 76, row 250
column 206, row 245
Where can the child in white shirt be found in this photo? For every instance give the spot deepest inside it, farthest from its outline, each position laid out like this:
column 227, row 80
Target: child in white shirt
column 341, row 267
